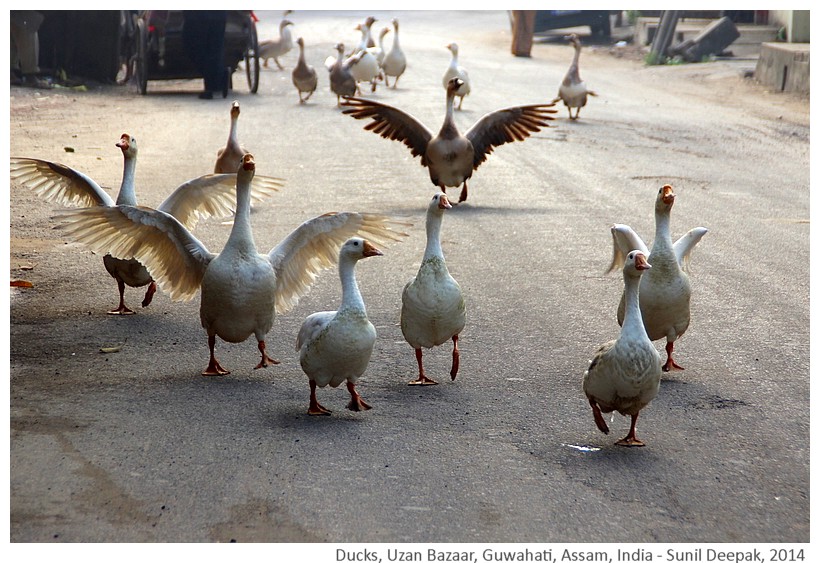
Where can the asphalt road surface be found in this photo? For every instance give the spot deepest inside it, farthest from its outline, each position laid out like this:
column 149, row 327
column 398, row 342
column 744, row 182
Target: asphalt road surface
column 136, row 446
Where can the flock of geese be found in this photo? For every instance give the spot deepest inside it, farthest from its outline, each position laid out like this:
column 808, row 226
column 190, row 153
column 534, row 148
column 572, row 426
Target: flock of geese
column 242, row 289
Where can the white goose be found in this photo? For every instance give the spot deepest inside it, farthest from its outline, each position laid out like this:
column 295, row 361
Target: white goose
column 242, row 290
column 230, row 156
column 211, row 195
column 573, row 91
column 363, row 62
column 335, row 346
column 451, row 157
column 378, row 51
column 275, row 48
column 454, row 70
column 665, row 289
column 625, row 374
column 304, row 75
column 433, row 310
column 395, row 62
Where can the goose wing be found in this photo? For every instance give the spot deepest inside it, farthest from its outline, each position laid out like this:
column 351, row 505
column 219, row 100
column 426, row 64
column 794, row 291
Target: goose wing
column 314, row 246
column 391, row 123
column 505, row 126
column 173, row 256
column 684, row 245
column 58, row 183
column 213, row 195
column 624, row 241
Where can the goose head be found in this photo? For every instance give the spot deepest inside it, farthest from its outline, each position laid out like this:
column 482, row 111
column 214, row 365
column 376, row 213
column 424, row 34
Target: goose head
column 369, row 21
column 395, row 23
column 636, row 263
column 235, row 110
column 128, row 145
column 573, row 39
column 340, row 47
column 383, row 32
column 666, row 198
column 300, row 42
column 284, row 23
column 453, row 49
column 357, row 248
column 248, row 164
column 454, row 84
column 440, row 202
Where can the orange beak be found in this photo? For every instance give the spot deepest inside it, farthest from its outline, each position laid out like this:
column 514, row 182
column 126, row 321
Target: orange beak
column 668, row 196
column 370, row 250
column 641, row 263
column 123, row 144
column 444, row 203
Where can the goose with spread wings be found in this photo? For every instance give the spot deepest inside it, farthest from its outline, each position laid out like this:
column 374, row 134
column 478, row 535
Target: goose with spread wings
column 242, row 289
column 449, row 156
column 211, row 195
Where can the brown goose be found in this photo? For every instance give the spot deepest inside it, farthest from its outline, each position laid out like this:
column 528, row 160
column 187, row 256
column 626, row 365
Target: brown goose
column 304, row 75
column 450, row 156
column 342, row 82
column 573, row 91
column 230, row 156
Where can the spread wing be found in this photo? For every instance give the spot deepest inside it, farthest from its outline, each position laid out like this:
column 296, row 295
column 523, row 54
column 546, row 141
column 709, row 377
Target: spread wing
column 58, row 183
column 684, row 245
column 213, row 195
column 173, row 256
column 314, row 246
column 624, row 241
column 390, row 123
column 505, row 126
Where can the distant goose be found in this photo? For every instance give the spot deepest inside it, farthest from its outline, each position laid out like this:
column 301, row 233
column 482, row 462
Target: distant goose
column 230, row 156
column 395, row 61
column 573, row 91
column 304, row 75
column 275, row 48
column 454, row 70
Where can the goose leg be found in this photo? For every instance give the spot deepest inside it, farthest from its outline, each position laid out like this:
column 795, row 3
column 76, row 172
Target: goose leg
column 122, row 309
column 423, row 379
column 149, row 293
column 460, row 101
column 454, row 369
column 278, row 63
column 463, row 196
column 599, row 418
column 631, row 440
column 387, row 81
column 213, row 365
column 315, row 409
column 356, row 403
column 670, row 363
column 266, row 360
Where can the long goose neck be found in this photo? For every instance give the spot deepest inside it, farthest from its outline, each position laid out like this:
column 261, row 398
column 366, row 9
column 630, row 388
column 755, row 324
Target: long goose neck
column 433, row 226
column 301, row 61
column 233, row 139
column 633, row 321
column 663, row 232
column 128, row 195
column 241, row 236
column 351, row 296
column 448, row 128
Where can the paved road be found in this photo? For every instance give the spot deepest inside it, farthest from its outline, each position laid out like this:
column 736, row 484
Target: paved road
column 135, row 446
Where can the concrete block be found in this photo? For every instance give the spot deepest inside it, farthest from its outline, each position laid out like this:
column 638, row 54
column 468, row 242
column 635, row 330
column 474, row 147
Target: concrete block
column 784, row 67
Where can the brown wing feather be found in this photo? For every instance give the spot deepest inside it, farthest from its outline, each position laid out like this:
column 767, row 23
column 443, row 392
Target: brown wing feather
column 505, row 126
column 391, row 123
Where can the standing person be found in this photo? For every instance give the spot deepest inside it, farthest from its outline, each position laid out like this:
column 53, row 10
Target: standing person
column 203, row 34
column 25, row 46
